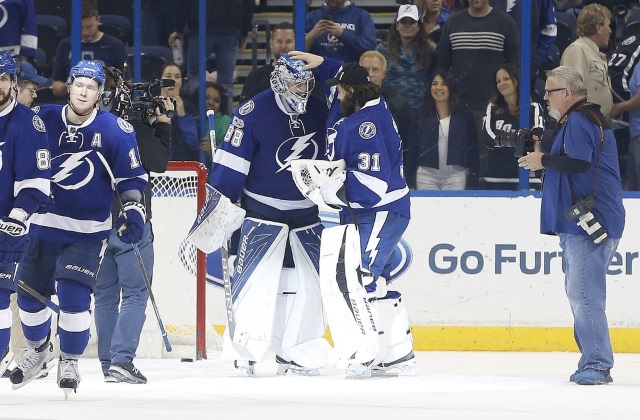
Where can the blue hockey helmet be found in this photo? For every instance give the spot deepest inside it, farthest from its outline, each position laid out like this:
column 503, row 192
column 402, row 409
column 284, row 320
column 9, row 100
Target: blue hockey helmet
column 292, row 83
column 88, row 68
column 7, row 64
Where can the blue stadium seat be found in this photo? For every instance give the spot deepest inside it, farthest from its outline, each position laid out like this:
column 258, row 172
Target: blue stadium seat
column 566, row 23
column 51, row 30
column 117, row 26
column 153, row 57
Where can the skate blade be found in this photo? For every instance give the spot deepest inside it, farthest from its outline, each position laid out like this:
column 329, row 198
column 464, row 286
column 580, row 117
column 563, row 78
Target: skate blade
column 67, row 391
column 4, row 364
column 126, row 379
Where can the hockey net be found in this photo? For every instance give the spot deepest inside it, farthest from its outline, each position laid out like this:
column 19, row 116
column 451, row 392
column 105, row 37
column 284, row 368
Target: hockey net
column 185, row 302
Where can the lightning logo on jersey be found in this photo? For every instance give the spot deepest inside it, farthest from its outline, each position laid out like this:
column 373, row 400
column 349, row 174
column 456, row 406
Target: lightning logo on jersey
column 77, row 169
column 294, row 151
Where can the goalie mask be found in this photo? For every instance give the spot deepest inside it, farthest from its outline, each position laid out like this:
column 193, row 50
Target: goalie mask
column 292, row 83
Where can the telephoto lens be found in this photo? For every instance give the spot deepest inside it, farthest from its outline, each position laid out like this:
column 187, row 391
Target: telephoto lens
column 595, row 230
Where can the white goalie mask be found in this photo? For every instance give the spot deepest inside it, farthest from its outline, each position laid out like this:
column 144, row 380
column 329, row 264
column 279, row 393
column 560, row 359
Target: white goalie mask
column 292, row 83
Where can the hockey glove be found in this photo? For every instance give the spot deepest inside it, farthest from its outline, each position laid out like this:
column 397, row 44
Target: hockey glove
column 13, row 240
column 130, row 223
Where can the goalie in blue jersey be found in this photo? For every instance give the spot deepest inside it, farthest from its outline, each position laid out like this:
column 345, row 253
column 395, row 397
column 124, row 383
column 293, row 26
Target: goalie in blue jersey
column 365, row 182
column 275, row 298
column 68, row 240
column 24, row 186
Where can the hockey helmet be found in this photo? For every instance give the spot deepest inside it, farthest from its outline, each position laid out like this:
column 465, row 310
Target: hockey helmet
column 88, row 68
column 7, row 64
column 292, row 83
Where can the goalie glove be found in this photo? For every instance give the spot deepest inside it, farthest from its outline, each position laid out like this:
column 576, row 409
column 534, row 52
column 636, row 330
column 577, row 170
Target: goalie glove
column 130, row 223
column 13, row 240
column 321, row 182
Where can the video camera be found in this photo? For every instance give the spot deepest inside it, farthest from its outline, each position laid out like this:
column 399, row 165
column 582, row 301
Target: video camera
column 135, row 101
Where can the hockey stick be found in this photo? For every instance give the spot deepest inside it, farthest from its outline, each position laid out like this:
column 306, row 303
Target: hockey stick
column 212, row 131
column 48, row 302
column 139, row 257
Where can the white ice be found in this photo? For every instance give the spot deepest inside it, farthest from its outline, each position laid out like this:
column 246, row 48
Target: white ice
column 448, row 385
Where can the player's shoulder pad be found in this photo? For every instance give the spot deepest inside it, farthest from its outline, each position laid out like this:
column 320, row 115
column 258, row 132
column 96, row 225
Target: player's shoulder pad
column 25, row 114
column 125, row 126
column 246, row 108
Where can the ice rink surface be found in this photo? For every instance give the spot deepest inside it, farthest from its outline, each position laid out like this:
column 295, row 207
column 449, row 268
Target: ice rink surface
column 448, row 385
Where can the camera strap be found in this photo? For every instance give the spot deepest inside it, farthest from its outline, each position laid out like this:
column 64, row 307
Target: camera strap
column 594, row 118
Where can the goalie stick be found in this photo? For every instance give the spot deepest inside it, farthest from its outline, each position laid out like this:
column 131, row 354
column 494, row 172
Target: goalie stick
column 136, row 251
column 212, row 131
column 24, row 286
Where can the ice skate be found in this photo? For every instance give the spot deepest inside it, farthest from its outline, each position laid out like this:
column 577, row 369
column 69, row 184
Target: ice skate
column 5, row 360
column 285, row 367
column 35, row 363
column 127, row 372
column 247, row 367
column 68, row 376
column 404, row 366
column 358, row 371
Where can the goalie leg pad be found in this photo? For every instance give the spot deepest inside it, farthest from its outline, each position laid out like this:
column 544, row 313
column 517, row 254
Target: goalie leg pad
column 254, row 288
column 216, row 222
column 396, row 339
column 299, row 316
column 346, row 303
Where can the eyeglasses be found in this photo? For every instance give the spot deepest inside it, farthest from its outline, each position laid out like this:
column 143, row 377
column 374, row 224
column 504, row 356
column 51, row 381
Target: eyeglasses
column 550, row 91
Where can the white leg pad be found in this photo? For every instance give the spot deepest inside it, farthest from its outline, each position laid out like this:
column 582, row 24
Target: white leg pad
column 354, row 333
column 303, row 325
column 254, row 291
column 392, row 320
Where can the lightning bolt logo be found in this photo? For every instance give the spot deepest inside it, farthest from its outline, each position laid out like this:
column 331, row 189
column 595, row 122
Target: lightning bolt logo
column 299, row 146
column 66, row 168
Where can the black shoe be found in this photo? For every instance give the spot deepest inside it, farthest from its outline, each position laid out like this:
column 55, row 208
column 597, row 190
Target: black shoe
column 126, row 372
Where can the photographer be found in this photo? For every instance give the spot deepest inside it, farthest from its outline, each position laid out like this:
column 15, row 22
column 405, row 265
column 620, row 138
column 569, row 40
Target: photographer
column 582, row 204
column 120, row 274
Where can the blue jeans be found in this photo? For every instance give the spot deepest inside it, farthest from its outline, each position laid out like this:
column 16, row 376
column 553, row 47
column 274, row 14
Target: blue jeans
column 225, row 47
column 119, row 333
column 633, row 165
column 586, row 287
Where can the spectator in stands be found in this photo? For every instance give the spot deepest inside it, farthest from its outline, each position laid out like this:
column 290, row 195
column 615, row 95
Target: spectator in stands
column 633, row 107
column 283, row 39
column 19, row 29
column 433, row 16
column 185, row 143
column 410, row 57
column 158, row 20
column 584, row 55
column 621, row 65
column 96, row 45
column 473, row 44
column 442, row 149
column 501, row 122
column 543, row 26
column 340, row 30
column 228, row 23
column 376, row 65
column 28, row 81
column 216, row 100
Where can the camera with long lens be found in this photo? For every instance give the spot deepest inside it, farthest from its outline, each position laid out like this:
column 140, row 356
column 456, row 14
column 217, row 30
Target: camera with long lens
column 581, row 213
column 524, row 140
column 135, row 101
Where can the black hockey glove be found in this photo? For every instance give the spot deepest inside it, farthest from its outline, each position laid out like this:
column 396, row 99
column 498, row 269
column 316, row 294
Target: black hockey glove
column 130, row 223
column 13, row 240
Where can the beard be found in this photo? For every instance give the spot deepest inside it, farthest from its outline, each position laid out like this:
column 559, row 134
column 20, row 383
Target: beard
column 347, row 107
column 5, row 98
column 554, row 113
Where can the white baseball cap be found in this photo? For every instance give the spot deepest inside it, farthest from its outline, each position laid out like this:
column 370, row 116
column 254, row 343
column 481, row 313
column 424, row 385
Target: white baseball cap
column 408, row 10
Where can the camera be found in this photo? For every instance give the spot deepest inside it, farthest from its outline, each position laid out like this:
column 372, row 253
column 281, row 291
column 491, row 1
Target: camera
column 581, row 213
column 135, row 101
column 524, row 140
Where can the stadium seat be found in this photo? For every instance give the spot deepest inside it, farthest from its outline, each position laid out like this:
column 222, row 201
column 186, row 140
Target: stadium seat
column 51, row 30
column 117, row 26
column 566, row 23
column 46, row 96
column 632, row 27
column 153, row 57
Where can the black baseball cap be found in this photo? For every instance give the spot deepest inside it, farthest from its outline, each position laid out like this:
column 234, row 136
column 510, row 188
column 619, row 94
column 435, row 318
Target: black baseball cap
column 350, row 74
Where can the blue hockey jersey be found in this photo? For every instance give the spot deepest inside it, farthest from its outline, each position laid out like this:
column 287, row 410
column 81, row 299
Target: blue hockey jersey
column 370, row 144
column 253, row 162
column 81, row 185
column 18, row 28
column 24, row 160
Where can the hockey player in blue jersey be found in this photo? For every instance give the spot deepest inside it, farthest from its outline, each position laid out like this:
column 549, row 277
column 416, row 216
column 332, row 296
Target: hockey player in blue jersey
column 276, row 301
column 24, row 187
column 372, row 194
column 69, row 239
